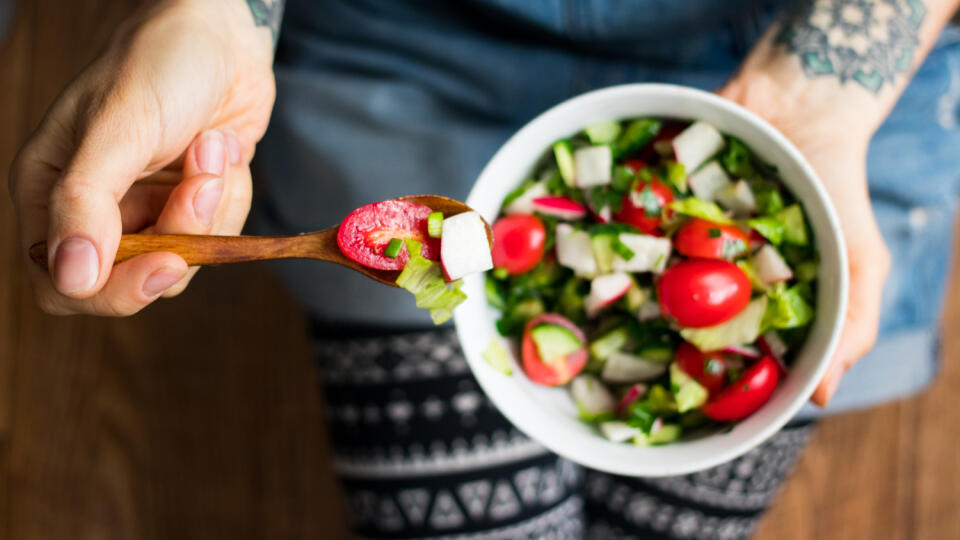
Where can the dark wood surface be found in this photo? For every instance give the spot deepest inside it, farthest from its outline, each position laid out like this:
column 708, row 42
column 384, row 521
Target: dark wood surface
column 199, row 417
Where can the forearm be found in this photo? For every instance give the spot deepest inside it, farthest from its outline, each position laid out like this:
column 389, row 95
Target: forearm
column 847, row 61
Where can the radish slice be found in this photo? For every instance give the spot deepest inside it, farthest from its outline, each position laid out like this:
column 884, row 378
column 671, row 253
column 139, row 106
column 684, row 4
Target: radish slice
column 633, row 393
column 745, row 351
column 575, row 251
column 364, row 233
column 605, row 290
column 524, row 203
column 622, row 367
column 770, row 266
column 738, row 197
column 593, row 166
column 709, row 181
column 697, row 144
column 618, row 431
column 591, row 395
column 561, row 207
column 464, row 247
column 650, row 253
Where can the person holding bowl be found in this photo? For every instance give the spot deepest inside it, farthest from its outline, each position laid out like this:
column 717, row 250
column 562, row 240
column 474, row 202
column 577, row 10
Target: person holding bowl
column 380, row 99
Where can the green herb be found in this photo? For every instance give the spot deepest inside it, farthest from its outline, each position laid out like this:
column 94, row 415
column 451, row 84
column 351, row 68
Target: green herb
column 767, row 195
column 732, row 248
column 518, row 192
column 621, row 249
column 493, row 290
column 737, row 160
column 806, row 271
column 637, row 134
column 435, row 224
column 714, row 233
column 501, row 273
column 393, row 248
column 602, row 196
column 622, row 178
column 713, row 366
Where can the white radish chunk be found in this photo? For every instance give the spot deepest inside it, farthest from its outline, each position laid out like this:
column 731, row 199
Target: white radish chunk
column 561, row 207
column 650, row 253
column 709, row 181
column 738, row 197
column 464, row 248
column 618, row 431
column 592, row 166
column 770, row 266
column 621, row 367
column 775, row 343
column 648, row 310
column 605, row 290
column 575, row 251
column 524, row 203
column 696, row 144
column 591, row 395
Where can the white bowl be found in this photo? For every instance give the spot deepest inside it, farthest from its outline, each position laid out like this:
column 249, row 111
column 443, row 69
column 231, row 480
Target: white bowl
column 548, row 415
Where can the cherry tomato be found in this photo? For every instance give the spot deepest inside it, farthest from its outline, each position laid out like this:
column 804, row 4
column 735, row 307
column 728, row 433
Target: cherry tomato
column 518, row 243
column 637, row 216
column 365, row 233
column 634, row 164
column 551, row 373
column 709, row 240
column 703, row 292
column 745, row 395
column 709, row 369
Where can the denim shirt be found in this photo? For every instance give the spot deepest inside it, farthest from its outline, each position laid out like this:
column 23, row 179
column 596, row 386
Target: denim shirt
column 378, row 99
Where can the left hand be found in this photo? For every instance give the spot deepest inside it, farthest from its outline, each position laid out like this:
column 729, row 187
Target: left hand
column 839, row 156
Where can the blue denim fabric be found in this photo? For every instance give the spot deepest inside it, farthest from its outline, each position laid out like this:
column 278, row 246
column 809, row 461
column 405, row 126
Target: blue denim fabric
column 383, row 98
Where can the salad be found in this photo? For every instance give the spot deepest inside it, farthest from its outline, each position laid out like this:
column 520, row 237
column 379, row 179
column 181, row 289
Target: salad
column 659, row 270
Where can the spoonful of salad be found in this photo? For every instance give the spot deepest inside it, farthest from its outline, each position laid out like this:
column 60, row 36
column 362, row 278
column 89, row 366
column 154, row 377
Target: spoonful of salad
column 422, row 243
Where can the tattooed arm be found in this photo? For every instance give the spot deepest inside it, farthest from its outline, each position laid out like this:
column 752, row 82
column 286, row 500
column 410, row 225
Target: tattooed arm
column 827, row 74
column 156, row 135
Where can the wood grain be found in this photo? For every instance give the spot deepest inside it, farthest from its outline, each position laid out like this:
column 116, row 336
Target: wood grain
column 199, row 418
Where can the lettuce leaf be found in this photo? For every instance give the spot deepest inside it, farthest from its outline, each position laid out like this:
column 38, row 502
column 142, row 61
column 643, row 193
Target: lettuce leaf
column 424, row 279
column 795, row 226
column 769, row 227
column 694, row 207
column 788, row 307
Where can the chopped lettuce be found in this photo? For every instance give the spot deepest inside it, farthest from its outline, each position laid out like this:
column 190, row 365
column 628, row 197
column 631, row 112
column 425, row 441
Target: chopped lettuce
column 740, row 330
column 497, row 357
column 788, row 307
column 694, row 207
column 755, row 282
column 737, row 160
column 424, row 279
column 676, row 174
column 687, row 392
column 806, row 271
column 769, row 200
column 795, row 227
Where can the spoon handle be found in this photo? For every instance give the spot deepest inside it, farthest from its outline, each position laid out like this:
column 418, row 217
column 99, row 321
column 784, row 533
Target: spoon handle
column 199, row 250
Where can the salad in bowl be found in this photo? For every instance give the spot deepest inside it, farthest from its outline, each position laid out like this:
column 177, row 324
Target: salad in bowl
column 658, row 269
column 668, row 283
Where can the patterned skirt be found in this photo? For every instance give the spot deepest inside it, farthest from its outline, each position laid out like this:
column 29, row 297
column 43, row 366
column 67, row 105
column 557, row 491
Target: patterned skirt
column 422, row 453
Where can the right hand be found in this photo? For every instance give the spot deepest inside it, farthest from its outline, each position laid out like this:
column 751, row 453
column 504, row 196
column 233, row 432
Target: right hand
column 155, row 136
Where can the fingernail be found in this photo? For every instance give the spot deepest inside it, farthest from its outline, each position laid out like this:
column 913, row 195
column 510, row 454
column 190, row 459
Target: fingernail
column 160, row 281
column 76, row 267
column 206, row 200
column 233, row 146
column 211, row 149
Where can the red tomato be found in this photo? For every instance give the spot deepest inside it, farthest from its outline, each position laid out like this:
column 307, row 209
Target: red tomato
column 365, row 233
column 745, row 395
column 709, row 369
column 518, row 243
column 637, row 216
column 551, row 373
column 709, row 240
column 703, row 292
column 634, row 164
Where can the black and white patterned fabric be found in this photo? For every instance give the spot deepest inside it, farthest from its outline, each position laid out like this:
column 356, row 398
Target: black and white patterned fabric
column 422, row 453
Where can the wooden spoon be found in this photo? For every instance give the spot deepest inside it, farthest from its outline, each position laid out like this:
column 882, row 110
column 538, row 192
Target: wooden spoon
column 198, row 250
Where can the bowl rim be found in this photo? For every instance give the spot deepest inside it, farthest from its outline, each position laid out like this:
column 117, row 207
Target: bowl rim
column 641, row 90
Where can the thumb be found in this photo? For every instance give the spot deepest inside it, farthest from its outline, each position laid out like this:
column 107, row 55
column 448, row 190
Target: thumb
column 84, row 223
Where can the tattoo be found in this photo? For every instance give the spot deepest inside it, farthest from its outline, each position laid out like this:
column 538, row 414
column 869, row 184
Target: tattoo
column 866, row 41
column 267, row 13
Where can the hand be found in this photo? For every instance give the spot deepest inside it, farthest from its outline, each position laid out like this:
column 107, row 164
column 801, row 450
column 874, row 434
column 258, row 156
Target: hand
column 155, row 136
column 839, row 158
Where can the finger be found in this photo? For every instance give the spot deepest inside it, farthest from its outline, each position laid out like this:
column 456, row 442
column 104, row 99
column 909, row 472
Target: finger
column 84, row 217
column 133, row 285
column 867, row 276
column 142, row 205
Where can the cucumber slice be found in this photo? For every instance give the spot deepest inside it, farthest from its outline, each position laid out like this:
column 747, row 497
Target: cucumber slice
column 612, row 341
column 554, row 342
column 657, row 353
column 740, row 330
column 687, row 392
column 667, row 433
column 603, row 133
column 603, row 252
column 497, row 357
column 564, row 156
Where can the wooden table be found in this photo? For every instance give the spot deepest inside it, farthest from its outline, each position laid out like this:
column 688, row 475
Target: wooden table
column 199, row 417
